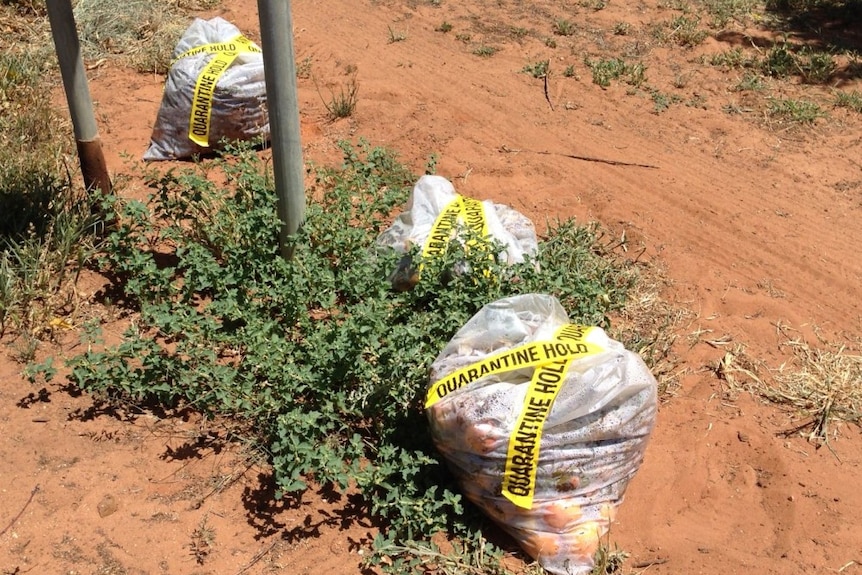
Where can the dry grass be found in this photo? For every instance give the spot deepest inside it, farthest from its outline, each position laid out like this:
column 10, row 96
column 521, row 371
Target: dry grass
column 821, row 386
column 143, row 32
column 649, row 324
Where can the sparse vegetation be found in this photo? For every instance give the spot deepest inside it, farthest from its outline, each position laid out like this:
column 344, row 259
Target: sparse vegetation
column 563, row 27
column 606, row 69
column 790, row 111
column 485, row 51
column 143, row 32
column 537, row 69
column 850, row 100
column 444, row 27
column 342, row 104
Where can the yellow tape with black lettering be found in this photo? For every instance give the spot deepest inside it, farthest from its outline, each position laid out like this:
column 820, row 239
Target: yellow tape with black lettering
column 551, row 360
column 568, row 346
column 460, row 210
column 522, row 456
column 201, row 111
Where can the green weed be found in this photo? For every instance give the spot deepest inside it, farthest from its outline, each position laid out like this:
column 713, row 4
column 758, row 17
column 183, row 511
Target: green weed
column 794, row 111
column 750, row 83
column 733, row 58
column 815, row 67
column 485, row 51
column 44, row 223
column 444, row 27
column 318, row 353
column 683, row 31
column 662, row 102
column 605, row 70
column 563, row 27
column 850, row 100
column 725, row 11
column 343, row 103
column 537, row 69
column 780, row 61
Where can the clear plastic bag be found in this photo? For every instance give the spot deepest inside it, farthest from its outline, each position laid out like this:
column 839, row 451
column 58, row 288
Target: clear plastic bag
column 551, row 472
column 234, row 95
column 428, row 201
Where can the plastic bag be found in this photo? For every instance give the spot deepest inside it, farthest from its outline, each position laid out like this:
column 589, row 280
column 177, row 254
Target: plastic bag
column 215, row 90
column 431, row 217
column 543, row 423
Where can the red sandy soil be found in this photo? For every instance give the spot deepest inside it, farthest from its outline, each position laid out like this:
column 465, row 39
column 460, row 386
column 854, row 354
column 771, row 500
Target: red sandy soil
column 755, row 222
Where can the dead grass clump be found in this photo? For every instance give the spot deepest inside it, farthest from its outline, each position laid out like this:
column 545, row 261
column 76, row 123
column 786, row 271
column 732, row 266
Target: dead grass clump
column 143, row 31
column 822, row 385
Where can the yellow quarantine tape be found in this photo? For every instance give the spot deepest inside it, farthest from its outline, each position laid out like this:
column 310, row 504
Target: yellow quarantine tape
column 551, row 360
column 225, row 54
column 463, row 210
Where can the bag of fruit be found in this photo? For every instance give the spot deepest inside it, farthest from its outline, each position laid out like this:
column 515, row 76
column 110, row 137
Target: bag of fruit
column 543, row 422
column 435, row 214
column 215, row 90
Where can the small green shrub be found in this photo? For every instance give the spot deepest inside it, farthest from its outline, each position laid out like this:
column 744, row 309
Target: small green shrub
column 563, row 27
column 604, row 70
column 343, row 103
column 780, row 61
column 537, row 69
column 485, row 51
column 851, row 100
column 794, row 111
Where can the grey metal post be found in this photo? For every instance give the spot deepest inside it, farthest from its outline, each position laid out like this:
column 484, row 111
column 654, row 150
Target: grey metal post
column 68, row 48
column 276, row 31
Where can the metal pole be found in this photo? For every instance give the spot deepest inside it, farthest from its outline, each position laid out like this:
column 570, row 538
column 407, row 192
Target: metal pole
column 68, row 48
column 276, row 31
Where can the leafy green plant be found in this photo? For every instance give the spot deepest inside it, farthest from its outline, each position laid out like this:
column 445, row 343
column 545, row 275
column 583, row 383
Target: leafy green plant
column 317, row 353
column 794, row 111
column 563, row 27
column 815, row 67
column 444, row 27
column 662, row 101
column 343, row 103
column 780, row 61
column 683, row 30
column 733, row 58
column 537, row 69
column 725, row 11
column 485, row 51
column 750, row 83
column 606, row 69
column 851, row 100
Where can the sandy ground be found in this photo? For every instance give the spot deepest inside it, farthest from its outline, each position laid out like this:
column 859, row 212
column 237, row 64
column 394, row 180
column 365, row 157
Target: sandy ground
column 756, row 224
